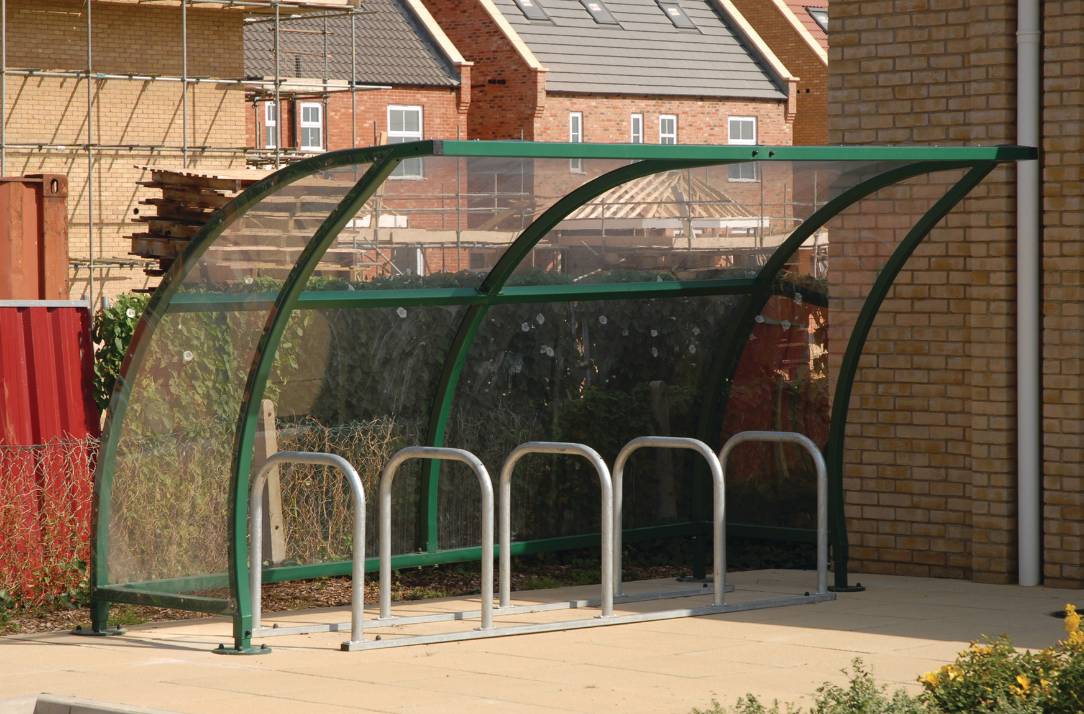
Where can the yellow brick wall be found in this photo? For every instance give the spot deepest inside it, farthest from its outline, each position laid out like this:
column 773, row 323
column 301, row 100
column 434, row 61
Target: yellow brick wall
column 930, row 462
column 929, row 466
column 137, row 39
column 1063, row 294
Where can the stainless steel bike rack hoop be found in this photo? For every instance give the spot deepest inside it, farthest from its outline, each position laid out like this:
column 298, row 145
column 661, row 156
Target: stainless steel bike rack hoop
column 790, row 437
column 255, row 533
column 718, row 530
column 606, row 488
column 387, row 477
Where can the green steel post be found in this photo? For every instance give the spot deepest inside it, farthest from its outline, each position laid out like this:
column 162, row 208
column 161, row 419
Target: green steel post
column 491, row 288
column 384, row 162
column 849, row 366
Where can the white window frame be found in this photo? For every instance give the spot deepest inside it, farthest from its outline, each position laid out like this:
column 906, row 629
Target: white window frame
column 408, row 169
column 636, row 128
column 575, row 136
column 302, row 125
column 741, row 172
column 730, row 121
column 663, row 136
column 270, row 126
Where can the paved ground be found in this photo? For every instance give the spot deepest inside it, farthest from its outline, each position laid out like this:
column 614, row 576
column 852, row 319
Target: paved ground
column 901, row 627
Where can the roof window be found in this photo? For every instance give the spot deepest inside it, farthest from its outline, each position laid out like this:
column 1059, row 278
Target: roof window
column 532, row 10
column 820, row 16
column 599, row 12
column 677, row 15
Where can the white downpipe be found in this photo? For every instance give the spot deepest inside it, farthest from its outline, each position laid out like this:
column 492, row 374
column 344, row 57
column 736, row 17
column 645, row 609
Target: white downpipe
column 1028, row 296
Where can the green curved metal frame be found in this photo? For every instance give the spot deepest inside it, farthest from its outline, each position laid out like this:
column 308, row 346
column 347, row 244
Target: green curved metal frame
column 721, row 376
column 494, row 290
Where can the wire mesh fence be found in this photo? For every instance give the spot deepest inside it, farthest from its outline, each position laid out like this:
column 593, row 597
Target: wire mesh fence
column 45, row 507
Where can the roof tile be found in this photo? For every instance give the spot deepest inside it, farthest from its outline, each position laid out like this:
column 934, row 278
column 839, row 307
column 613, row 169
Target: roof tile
column 392, row 47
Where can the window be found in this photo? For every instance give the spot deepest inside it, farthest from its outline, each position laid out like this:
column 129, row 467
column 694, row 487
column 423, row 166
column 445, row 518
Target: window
column 312, row 126
column 532, row 10
column 405, row 124
column 742, row 131
column 820, row 16
column 636, row 128
column 599, row 12
column 270, row 126
column 676, row 13
column 668, row 129
column 575, row 136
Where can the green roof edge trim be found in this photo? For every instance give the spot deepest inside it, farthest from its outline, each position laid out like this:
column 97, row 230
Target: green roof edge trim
column 706, row 152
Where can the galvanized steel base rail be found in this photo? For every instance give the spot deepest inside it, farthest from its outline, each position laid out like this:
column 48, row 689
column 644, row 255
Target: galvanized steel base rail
column 255, row 532
column 611, row 507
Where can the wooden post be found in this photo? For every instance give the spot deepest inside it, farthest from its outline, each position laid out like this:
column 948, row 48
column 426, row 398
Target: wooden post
column 274, row 538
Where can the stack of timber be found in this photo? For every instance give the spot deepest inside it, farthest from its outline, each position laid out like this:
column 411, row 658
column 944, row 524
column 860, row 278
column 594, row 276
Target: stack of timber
column 266, row 241
column 188, row 198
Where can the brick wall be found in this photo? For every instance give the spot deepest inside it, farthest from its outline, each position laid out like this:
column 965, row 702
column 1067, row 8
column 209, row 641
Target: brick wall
column 811, row 119
column 930, row 462
column 1063, row 318
column 505, row 92
column 701, row 120
column 51, row 34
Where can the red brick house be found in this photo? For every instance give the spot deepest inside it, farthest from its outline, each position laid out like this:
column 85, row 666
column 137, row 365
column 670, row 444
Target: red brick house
column 797, row 32
column 619, row 71
column 410, row 81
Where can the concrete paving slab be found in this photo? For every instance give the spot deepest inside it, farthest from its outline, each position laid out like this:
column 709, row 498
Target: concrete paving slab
column 901, row 627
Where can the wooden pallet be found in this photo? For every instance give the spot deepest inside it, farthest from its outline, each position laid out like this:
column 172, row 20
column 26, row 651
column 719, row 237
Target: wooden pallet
column 187, row 199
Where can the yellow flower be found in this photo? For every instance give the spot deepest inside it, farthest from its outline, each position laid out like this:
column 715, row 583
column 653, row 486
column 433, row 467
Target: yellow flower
column 981, row 649
column 1023, row 681
column 953, row 672
column 1072, row 620
column 930, row 679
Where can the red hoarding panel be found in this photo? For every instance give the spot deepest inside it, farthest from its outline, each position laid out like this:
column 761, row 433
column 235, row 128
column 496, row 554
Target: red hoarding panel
column 48, row 430
column 46, row 362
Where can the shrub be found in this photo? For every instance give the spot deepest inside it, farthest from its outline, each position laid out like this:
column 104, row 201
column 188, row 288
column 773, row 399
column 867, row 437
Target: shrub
column 989, row 676
column 113, row 330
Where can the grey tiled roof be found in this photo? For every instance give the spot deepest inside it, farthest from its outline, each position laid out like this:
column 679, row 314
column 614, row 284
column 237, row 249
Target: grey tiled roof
column 646, row 54
column 392, row 48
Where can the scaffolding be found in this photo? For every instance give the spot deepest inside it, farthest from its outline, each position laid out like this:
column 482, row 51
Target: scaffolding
column 273, row 88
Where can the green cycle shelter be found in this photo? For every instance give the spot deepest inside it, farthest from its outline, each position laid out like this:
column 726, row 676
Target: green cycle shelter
column 479, row 294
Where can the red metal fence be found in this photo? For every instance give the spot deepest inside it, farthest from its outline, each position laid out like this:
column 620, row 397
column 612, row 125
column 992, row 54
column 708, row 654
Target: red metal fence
column 49, row 427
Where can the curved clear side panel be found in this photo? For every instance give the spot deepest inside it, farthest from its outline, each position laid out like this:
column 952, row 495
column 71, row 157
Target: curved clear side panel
column 443, row 222
column 358, row 382
column 595, row 372
column 168, row 509
column 789, row 369
column 705, row 223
